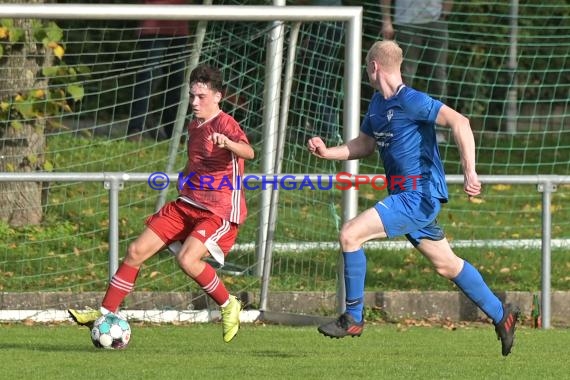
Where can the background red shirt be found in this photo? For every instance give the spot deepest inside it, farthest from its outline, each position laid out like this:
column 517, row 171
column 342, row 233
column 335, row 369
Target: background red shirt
column 164, row 27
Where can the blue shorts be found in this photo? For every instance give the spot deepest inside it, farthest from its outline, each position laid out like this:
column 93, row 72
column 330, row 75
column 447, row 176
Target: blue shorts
column 412, row 214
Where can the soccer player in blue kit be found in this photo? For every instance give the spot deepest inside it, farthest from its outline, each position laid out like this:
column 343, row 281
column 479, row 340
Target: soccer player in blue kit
column 401, row 122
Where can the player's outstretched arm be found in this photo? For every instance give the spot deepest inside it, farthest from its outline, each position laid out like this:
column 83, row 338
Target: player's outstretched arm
column 463, row 136
column 360, row 147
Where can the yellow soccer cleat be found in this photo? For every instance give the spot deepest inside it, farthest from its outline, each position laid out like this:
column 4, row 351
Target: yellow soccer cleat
column 230, row 318
column 84, row 317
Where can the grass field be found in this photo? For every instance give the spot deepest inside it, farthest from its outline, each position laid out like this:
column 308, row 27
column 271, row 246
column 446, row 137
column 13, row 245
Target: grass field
column 384, row 351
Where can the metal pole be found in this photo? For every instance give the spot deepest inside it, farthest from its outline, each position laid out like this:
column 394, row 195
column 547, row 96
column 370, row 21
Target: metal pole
column 351, row 120
column 289, row 69
column 232, row 13
column 114, row 185
column 547, row 188
column 512, row 69
column 271, row 98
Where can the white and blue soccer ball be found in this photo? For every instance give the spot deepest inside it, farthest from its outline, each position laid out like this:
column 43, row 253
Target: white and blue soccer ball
column 111, row 331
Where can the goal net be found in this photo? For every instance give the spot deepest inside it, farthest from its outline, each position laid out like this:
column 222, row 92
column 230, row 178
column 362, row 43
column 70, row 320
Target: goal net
column 506, row 70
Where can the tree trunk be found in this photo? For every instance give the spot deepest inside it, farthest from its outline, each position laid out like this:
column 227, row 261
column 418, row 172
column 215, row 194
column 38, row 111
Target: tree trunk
column 22, row 146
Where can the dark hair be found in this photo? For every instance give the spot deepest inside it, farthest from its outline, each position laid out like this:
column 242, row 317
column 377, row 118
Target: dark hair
column 208, row 75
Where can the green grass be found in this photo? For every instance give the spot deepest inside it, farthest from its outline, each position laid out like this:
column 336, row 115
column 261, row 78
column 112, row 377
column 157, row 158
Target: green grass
column 384, row 351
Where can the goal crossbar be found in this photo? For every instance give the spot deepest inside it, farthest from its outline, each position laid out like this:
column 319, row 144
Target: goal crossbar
column 181, row 12
column 350, row 15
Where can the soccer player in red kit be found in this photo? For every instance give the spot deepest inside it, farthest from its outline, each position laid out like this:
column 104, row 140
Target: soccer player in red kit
column 205, row 216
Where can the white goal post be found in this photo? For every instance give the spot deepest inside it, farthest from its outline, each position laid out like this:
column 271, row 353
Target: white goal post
column 272, row 131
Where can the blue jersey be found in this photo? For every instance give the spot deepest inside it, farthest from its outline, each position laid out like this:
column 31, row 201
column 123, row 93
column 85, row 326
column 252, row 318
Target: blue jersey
column 404, row 129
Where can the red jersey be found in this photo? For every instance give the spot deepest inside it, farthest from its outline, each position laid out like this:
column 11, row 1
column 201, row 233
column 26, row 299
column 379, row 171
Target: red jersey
column 214, row 174
column 164, row 27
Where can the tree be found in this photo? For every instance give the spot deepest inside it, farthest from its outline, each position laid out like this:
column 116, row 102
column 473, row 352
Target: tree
column 28, row 49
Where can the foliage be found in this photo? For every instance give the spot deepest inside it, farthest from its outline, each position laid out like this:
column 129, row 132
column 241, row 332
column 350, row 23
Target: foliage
column 540, row 51
column 480, row 42
column 64, row 81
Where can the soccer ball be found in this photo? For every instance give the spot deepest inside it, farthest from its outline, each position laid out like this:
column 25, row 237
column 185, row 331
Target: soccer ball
column 111, row 332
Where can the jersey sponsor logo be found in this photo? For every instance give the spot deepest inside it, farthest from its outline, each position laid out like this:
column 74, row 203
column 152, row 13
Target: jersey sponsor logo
column 383, row 138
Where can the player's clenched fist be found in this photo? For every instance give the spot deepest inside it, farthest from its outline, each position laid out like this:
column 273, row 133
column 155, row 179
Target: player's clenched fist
column 316, row 146
column 471, row 184
column 220, row 140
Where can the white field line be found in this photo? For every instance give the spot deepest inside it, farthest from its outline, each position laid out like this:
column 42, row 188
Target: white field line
column 157, row 316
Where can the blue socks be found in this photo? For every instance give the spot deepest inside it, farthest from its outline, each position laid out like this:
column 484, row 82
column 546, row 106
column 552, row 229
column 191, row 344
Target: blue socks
column 469, row 280
column 354, row 276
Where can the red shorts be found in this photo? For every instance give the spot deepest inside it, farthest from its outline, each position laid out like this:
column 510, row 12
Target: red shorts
column 177, row 220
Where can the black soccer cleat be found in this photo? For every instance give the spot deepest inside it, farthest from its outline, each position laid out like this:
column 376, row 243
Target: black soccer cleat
column 506, row 328
column 341, row 327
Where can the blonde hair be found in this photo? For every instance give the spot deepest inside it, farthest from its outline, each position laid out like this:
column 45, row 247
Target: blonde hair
column 387, row 53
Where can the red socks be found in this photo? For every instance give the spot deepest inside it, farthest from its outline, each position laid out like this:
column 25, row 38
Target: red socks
column 121, row 285
column 211, row 284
